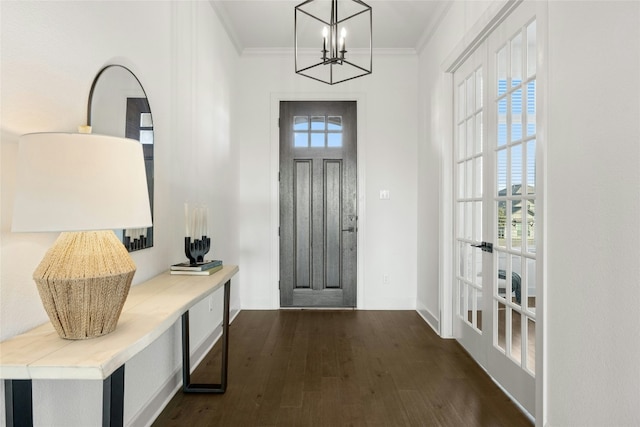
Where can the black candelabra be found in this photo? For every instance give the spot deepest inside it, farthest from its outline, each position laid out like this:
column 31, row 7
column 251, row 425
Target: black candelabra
column 195, row 250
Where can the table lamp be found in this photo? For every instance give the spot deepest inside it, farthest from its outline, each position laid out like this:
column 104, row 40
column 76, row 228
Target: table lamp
column 85, row 186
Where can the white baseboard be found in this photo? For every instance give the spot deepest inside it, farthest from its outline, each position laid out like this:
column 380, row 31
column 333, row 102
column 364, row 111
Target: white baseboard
column 430, row 319
column 156, row 404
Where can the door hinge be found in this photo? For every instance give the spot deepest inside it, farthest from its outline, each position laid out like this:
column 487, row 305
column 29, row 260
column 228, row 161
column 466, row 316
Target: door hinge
column 278, row 231
column 278, row 121
column 279, row 285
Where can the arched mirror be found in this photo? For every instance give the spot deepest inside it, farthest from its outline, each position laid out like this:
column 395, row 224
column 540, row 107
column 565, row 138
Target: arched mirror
column 118, row 106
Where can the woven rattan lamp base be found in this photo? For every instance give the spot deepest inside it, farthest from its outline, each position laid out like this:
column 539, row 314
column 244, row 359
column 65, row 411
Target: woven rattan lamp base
column 83, row 281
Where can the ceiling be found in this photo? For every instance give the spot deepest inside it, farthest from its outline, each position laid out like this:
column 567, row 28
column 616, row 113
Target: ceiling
column 268, row 24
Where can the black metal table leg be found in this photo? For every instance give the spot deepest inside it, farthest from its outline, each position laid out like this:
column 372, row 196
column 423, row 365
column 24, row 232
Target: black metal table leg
column 187, row 386
column 18, row 403
column 113, row 399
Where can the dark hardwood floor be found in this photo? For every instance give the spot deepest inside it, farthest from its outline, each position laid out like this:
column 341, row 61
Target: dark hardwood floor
column 342, row 368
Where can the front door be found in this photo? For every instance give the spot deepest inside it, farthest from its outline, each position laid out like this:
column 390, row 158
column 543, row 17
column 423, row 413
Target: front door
column 318, row 218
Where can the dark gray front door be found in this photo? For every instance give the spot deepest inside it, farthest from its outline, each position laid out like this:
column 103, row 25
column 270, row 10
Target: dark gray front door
column 318, row 218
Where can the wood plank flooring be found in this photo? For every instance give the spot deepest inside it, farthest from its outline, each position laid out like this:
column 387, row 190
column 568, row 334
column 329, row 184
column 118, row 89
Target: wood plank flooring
column 342, row 368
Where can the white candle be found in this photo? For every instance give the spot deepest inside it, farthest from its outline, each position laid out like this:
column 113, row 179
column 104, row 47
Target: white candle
column 186, row 220
column 206, row 221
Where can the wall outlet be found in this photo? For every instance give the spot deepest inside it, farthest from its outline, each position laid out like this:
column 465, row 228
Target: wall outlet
column 385, row 279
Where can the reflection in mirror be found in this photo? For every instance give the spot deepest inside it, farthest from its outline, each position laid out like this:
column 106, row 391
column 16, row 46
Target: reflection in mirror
column 118, row 106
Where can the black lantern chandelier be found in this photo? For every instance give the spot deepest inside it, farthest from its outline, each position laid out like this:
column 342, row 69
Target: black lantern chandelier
column 322, row 27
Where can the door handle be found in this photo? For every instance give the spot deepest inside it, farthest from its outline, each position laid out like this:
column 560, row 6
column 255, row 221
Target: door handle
column 349, row 229
column 485, row 246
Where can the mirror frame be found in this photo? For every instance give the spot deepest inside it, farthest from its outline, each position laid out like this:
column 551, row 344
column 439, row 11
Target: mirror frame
column 148, row 241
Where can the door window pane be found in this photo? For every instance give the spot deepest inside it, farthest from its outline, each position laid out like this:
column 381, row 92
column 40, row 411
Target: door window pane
column 531, row 108
column 461, row 140
column 516, row 169
column 516, row 336
column 516, row 60
column 479, row 89
column 470, row 95
column 300, row 123
column 502, row 223
column 317, row 123
column 500, row 336
column 531, row 167
column 502, row 172
column 531, row 49
column 531, row 226
column 470, row 136
column 478, row 179
column 334, row 123
column 501, row 58
column 531, row 346
column 334, row 140
column 300, row 139
column 502, row 122
column 514, row 284
column 531, row 285
column 516, row 115
column 479, row 135
column 317, row 139
column 477, row 226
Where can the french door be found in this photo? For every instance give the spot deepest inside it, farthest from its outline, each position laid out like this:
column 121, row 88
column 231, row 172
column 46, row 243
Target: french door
column 496, row 194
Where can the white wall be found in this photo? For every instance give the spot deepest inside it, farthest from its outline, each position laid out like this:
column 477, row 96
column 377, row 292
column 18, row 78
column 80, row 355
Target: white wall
column 593, row 214
column 387, row 150
column 435, row 157
column 592, row 199
column 51, row 52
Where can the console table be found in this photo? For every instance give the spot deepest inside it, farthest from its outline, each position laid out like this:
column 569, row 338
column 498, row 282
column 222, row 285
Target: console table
column 151, row 308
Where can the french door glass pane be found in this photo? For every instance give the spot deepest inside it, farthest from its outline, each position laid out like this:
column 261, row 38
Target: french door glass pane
column 531, row 346
column 516, row 115
column 532, row 52
column 477, row 188
column 502, row 122
column 531, row 226
column 516, row 170
column 502, row 71
column 531, row 167
column 469, row 174
column 514, row 283
column 461, row 138
column 516, row 60
column 531, row 285
column 531, row 108
column 470, row 136
column 470, row 95
column 516, row 336
column 477, row 226
column 501, row 168
column 500, row 337
column 479, row 136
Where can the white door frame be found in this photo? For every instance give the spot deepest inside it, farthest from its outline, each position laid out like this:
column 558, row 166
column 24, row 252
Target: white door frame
column 274, row 198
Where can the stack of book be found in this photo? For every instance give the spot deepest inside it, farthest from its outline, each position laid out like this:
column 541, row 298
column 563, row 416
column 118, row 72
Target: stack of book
column 204, row 268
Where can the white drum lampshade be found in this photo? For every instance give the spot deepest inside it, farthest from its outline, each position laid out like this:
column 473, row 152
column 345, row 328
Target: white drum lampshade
column 85, row 186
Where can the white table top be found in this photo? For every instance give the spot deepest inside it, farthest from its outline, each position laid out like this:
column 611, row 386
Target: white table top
column 151, row 308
